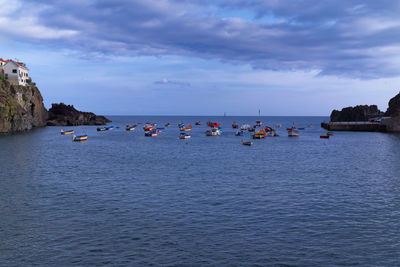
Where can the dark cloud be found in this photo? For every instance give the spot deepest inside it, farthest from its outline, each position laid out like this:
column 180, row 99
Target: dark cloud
column 348, row 38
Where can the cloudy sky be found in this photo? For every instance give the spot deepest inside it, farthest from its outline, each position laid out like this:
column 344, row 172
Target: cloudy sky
column 207, row 57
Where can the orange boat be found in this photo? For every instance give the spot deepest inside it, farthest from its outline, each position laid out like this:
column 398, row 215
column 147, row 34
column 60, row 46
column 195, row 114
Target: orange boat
column 186, row 129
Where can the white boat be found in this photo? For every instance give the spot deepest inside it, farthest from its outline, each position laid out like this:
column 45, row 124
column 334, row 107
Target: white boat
column 79, row 138
column 213, row 132
column 185, row 136
column 292, row 132
column 68, row 132
column 245, row 127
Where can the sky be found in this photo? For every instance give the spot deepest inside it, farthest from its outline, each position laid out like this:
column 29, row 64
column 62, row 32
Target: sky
column 207, row 57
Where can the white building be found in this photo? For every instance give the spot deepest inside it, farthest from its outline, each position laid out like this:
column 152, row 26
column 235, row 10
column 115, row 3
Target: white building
column 2, row 63
column 16, row 72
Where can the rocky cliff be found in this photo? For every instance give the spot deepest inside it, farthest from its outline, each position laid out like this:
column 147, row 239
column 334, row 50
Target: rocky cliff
column 67, row 115
column 393, row 111
column 357, row 113
column 21, row 108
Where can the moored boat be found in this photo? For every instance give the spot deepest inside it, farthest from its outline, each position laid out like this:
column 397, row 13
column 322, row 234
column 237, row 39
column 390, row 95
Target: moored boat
column 109, row 128
column 329, row 133
column 148, row 128
column 198, row 123
column 292, row 132
column 261, row 134
column 258, row 124
column 152, row 133
column 213, row 132
column 324, row 137
column 184, row 136
column 168, row 124
column 80, row 138
column 247, row 143
column 68, row 132
column 235, row 125
column 101, row 129
column 130, row 127
column 186, row 129
column 239, row 133
column 245, row 127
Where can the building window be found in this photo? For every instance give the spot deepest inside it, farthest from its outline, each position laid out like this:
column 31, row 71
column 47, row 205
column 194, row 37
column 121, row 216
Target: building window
column 14, row 71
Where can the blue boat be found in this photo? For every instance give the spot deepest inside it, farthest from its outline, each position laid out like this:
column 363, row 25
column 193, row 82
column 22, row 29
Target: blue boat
column 239, row 133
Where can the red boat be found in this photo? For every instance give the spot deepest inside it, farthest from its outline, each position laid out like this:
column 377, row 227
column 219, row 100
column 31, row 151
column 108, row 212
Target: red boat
column 198, row 123
column 213, row 124
column 186, row 129
column 324, row 136
column 147, row 128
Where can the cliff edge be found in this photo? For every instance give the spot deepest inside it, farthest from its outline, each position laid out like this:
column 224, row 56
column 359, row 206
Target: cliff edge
column 67, row 115
column 21, row 108
column 357, row 113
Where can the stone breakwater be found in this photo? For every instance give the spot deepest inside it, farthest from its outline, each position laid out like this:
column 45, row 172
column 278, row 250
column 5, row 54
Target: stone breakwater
column 366, row 118
column 356, row 126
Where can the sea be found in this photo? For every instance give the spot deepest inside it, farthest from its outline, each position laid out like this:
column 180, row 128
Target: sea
column 123, row 199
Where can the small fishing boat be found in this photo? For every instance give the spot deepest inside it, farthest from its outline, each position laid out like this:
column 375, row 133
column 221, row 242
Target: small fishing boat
column 258, row 124
column 198, row 123
column 292, row 132
column 101, row 129
column 213, row 124
column 186, row 129
column 109, row 128
column 329, row 133
column 261, row 134
column 270, row 131
column 184, row 136
column 152, row 133
column 245, row 127
column 247, row 143
column 301, row 128
column 147, row 128
column 168, row 124
column 68, row 132
column 235, row 125
column 214, row 132
column 251, row 129
column 239, row 133
column 130, row 127
column 80, row 138
column 324, row 137
column 160, row 128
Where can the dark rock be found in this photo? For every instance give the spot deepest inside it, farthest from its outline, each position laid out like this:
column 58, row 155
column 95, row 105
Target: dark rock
column 21, row 108
column 357, row 113
column 67, row 115
column 394, row 107
column 393, row 111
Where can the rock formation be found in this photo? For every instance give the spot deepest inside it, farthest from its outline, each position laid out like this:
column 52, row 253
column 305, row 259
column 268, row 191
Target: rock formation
column 67, row 115
column 21, row 108
column 393, row 111
column 357, row 113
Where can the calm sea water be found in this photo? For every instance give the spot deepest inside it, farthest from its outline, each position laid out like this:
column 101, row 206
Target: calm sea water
column 122, row 199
